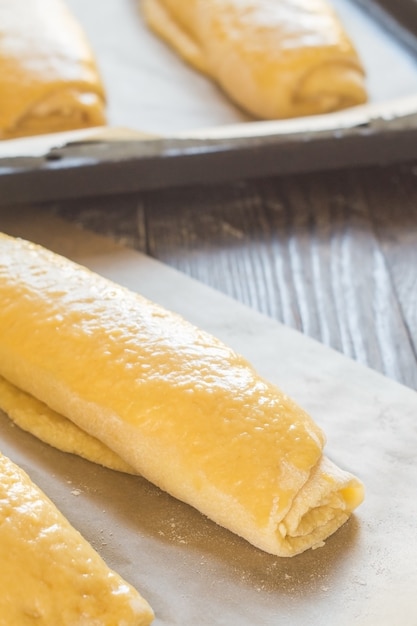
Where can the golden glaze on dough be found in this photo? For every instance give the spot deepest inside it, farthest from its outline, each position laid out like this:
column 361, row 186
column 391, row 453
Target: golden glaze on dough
column 48, row 76
column 49, row 574
column 175, row 403
column 276, row 59
column 49, row 426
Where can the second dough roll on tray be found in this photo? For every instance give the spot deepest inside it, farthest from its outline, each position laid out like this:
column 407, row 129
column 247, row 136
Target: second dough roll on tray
column 279, row 59
column 49, row 80
column 176, row 404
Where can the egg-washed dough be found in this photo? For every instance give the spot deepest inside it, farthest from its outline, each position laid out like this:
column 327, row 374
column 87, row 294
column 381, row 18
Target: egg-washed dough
column 47, row 425
column 176, row 404
column 275, row 59
column 49, row 573
column 49, row 80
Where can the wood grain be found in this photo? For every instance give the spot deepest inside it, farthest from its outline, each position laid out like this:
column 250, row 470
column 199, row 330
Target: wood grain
column 333, row 255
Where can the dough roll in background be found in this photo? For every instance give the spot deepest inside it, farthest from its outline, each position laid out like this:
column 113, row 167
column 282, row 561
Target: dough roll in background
column 173, row 402
column 280, row 59
column 49, row 81
column 49, row 573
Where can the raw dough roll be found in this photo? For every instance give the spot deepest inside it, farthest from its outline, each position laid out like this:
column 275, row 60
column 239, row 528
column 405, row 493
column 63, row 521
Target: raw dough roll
column 275, row 59
column 48, row 76
column 176, row 404
column 37, row 418
column 49, row 573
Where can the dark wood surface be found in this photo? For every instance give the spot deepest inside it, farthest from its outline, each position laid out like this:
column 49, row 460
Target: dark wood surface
column 332, row 254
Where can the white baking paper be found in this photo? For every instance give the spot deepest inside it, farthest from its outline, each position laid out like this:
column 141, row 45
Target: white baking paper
column 196, row 573
column 151, row 89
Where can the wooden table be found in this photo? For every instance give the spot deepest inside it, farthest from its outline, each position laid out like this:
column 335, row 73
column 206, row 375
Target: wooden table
column 332, row 254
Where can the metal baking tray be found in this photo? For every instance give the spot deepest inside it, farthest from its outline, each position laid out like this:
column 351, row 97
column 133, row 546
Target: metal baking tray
column 169, row 126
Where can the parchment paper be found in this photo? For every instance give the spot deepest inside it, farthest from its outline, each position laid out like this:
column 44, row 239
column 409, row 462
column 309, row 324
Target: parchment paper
column 150, row 88
column 196, row 573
